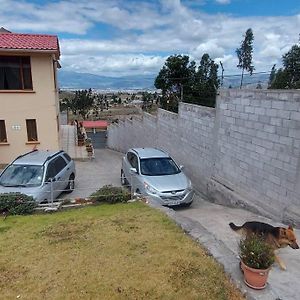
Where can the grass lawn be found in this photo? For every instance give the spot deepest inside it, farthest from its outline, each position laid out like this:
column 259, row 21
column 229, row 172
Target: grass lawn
column 122, row 251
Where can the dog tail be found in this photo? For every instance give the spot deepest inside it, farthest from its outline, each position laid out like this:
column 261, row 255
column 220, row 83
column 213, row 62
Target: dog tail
column 234, row 227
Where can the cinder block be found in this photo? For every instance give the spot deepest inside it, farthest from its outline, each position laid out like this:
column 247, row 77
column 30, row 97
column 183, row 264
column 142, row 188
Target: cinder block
column 275, row 121
column 271, row 112
column 295, row 115
column 260, row 110
column 265, row 119
column 266, row 103
column 284, row 114
column 278, row 104
column 282, row 131
column 249, row 109
column 269, row 128
column 294, row 133
column 253, row 117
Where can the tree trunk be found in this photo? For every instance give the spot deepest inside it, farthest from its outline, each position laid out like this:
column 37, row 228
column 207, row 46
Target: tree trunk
column 242, row 78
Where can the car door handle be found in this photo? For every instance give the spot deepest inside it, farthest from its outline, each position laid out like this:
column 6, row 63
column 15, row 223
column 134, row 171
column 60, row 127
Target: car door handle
column 68, row 169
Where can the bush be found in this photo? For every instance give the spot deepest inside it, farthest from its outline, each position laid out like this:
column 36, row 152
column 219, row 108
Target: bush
column 16, row 204
column 111, row 194
column 256, row 253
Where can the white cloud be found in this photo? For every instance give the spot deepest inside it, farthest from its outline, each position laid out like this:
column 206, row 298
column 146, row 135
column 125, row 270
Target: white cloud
column 145, row 33
column 113, row 65
column 223, row 1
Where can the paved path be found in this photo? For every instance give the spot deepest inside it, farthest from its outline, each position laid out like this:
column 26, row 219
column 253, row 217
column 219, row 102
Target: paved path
column 68, row 144
column 92, row 174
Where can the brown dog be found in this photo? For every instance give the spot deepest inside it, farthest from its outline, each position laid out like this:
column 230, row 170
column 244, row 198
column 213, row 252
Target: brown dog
column 277, row 237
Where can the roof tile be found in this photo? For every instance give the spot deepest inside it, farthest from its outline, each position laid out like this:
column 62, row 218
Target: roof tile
column 18, row 41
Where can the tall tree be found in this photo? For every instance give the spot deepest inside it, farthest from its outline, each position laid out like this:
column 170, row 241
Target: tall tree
column 206, row 83
column 174, row 79
column 244, row 54
column 272, row 75
column 288, row 77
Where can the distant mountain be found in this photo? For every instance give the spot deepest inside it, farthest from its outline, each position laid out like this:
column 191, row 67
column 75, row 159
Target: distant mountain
column 74, row 80
column 249, row 81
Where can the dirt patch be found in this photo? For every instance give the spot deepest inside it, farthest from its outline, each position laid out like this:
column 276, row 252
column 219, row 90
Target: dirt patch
column 9, row 275
column 65, row 232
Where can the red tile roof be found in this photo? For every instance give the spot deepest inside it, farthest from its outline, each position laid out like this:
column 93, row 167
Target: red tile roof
column 95, row 124
column 20, row 41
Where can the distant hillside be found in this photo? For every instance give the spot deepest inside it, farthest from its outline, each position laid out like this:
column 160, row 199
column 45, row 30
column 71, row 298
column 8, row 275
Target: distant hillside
column 249, row 81
column 73, row 80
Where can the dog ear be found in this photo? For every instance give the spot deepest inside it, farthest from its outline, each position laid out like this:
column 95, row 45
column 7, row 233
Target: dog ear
column 282, row 232
column 290, row 227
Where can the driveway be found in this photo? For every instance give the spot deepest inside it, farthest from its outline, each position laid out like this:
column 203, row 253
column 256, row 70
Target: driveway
column 91, row 175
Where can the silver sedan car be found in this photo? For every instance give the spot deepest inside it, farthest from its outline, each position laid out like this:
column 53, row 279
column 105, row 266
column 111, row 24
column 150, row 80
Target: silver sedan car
column 152, row 172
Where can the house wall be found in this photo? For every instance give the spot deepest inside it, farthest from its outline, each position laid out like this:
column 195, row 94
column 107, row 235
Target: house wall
column 40, row 104
column 245, row 152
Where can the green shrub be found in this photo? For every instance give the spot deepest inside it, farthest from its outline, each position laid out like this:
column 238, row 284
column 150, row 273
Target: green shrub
column 256, row 253
column 16, row 204
column 111, row 194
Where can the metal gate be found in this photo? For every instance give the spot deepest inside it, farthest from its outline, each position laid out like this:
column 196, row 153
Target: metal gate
column 98, row 139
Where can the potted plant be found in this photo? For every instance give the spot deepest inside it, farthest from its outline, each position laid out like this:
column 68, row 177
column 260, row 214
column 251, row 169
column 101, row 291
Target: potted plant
column 257, row 257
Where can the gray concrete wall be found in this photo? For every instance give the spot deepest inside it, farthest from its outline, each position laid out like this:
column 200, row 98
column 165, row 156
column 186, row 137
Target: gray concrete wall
column 245, row 152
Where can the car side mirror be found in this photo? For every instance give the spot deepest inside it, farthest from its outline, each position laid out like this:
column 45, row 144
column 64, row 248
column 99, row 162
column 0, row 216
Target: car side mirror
column 133, row 170
column 181, row 167
column 48, row 180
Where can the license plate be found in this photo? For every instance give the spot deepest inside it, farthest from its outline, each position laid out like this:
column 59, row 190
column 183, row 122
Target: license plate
column 173, row 202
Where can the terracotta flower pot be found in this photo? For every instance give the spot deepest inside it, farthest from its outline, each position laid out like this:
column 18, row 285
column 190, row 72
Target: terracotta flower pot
column 255, row 278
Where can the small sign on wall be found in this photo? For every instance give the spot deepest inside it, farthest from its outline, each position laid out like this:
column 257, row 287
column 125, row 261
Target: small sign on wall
column 16, row 127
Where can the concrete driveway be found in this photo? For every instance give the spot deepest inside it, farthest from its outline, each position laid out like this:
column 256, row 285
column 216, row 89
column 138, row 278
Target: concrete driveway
column 104, row 169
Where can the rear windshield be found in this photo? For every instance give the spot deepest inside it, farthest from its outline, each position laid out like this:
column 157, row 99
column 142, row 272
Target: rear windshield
column 22, row 175
column 159, row 166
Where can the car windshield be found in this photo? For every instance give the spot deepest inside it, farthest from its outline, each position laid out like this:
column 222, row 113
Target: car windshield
column 22, row 175
column 159, row 166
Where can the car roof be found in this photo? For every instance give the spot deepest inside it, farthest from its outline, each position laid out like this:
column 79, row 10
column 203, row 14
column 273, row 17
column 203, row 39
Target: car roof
column 37, row 157
column 149, row 152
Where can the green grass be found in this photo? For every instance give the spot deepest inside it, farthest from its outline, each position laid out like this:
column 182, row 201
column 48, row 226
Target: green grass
column 121, row 251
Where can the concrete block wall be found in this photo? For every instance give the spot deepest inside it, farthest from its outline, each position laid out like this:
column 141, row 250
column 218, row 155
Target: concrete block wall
column 258, row 146
column 245, row 152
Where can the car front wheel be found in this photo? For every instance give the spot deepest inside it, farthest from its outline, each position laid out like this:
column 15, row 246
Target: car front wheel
column 71, row 184
column 123, row 178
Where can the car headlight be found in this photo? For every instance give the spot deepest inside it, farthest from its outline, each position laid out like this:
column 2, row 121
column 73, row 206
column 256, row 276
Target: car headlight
column 190, row 186
column 149, row 188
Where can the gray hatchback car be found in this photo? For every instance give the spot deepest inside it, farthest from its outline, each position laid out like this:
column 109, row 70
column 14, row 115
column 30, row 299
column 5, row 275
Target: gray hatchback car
column 154, row 173
column 40, row 174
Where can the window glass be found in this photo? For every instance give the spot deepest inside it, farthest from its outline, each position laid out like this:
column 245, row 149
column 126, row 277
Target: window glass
column 134, row 162
column 60, row 163
column 22, row 175
column 3, row 137
column 159, row 166
column 51, row 170
column 129, row 157
column 67, row 157
column 15, row 73
column 27, row 81
column 31, row 130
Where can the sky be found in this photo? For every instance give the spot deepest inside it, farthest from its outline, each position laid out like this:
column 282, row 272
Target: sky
column 134, row 37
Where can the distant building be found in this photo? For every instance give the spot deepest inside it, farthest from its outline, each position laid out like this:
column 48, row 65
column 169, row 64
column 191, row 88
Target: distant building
column 28, row 93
